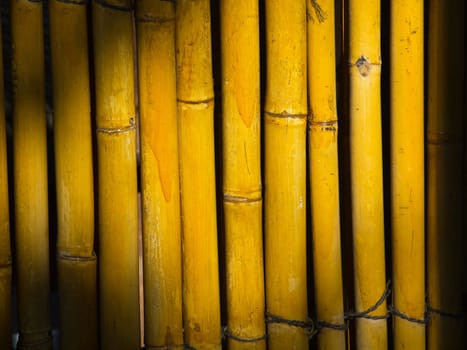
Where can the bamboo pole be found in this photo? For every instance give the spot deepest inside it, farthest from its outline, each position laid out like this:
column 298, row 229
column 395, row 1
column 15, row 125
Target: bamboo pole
column 446, row 60
column 242, row 174
column 160, row 174
column 324, row 176
column 366, row 170
column 195, row 103
column 117, row 196
column 74, row 172
column 285, row 172
column 30, row 176
column 5, row 248
column 407, row 166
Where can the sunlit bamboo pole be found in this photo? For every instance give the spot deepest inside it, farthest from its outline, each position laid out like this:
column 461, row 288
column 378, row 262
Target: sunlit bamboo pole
column 73, row 165
column 407, row 172
column 366, row 169
column 285, row 171
column 242, row 173
column 30, row 176
column 5, row 249
column 118, row 213
column 324, row 173
column 446, row 60
column 159, row 171
column 195, row 96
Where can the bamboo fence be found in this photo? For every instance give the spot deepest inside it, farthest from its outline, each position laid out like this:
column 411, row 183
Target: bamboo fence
column 295, row 171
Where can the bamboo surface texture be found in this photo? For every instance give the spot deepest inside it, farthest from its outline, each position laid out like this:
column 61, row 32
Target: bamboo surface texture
column 74, row 173
column 324, row 173
column 117, row 196
column 30, row 176
column 5, row 248
column 366, row 170
column 285, row 119
column 242, row 174
column 195, row 103
column 160, row 174
column 407, row 166
column 445, row 230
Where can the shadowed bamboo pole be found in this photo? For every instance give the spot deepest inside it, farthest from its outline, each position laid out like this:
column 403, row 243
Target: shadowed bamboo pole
column 195, row 100
column 118, row 213
column 366, row 170
column 159, row 171
column 5, row 249
column 407, row 166
column 324, row 173
column 242, row 173
column 285, row 172
column 446, row 60
column 73, row 166
column 30, row 176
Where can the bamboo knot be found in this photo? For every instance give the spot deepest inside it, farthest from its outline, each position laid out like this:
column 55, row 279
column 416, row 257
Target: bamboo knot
column 121, row 130
column 74, row 2
column 324, row 125
column 110, row 6
column 227, row 334
column 154, row 19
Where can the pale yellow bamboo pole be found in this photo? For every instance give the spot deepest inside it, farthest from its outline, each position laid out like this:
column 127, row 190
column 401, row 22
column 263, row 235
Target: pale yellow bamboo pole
column 117, row 192
column 195, row 99
column 407, row 172
column 366, row 170
column 285, row 172
column 160, row 174
column 324, row 174
column 445, row 230
column 242, row 174
column 30, row 175
column 5, row 248
column 74, row 173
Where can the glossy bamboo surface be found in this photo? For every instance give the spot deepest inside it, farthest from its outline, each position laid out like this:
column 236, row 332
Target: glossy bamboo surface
column 195, row 103
column 285, row 118
column 74, row 174
column 30, row 176
column 160, row 174
column 366, row 169
column 324, row 173
column 407, row 177
column 116, row 155
column 242, row 173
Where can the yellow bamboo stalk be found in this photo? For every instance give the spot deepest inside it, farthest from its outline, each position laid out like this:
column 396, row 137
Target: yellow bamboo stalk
column 160, row 174
column 407, row 172
column 366, row 169
column 118, row 213
column 195, row 103
column 324, row 175
column 445, row 230
column 73, row 165
column 285, row 171
column 5, row 248
column 242, row 174
column 30, row 176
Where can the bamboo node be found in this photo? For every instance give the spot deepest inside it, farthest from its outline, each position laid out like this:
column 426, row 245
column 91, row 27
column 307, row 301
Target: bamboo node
column 146, row 18
column 324, row 125
column 285, row 114
column 110, row 6
column 241, row 199
column 227, row 334
column 125, row 129
column 74, row 2
column 64, row 256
